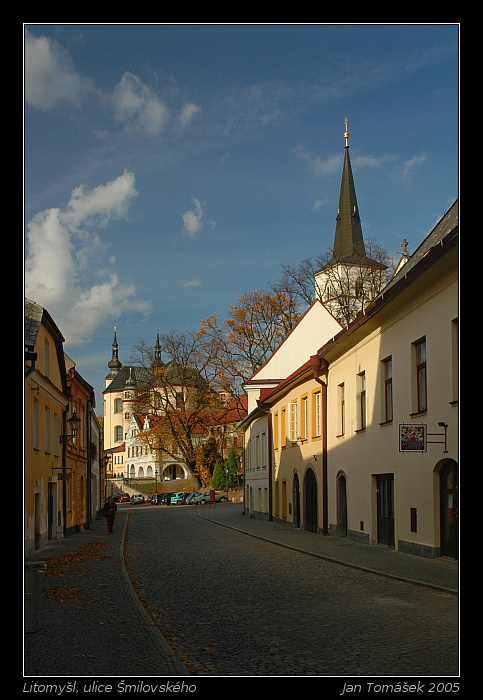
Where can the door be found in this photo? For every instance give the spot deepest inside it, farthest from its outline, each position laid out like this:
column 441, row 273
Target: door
column 310, row 501
column 36, row 520
column 341, row 506
column 448, row 481
column 385, row 509
column 296, row 500
column 52, row 509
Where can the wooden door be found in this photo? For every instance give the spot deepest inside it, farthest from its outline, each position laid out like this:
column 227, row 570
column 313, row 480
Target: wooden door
column 385, row 509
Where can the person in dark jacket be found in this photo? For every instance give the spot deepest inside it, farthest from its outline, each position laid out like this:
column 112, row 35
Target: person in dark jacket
column 110, row 508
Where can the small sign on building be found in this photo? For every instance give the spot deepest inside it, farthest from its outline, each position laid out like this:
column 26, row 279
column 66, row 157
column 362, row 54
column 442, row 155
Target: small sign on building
column 412, row 437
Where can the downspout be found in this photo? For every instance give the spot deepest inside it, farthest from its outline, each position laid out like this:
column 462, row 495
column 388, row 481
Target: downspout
column 318, row 366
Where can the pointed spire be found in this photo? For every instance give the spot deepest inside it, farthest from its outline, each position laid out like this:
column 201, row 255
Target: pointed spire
column 348, row 239
column 157, row 364
column 114, row 364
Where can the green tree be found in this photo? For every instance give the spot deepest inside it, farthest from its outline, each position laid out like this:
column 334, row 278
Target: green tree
column 218, row 479
column 231, row 467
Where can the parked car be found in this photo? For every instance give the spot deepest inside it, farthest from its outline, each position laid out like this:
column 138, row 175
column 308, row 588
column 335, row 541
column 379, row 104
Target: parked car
column 178, row 498
column 123, row 497
column 166, row 499
column 205, row 497
column 156, row 498
column 137, row 498
column 191, row 496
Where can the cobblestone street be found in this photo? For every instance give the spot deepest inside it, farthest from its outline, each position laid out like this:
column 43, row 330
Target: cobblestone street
column 230, row 604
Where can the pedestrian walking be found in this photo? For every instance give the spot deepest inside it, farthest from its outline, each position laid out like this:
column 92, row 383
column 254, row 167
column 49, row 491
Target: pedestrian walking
column 110, row 508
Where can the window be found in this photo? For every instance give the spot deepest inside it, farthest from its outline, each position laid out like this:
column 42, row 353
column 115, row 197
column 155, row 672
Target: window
column 304, row 418
column 362, row 400
column 292, row 421
column 47, row 358
column 275, row 431
column 359, row 287
column 118, row 406
column 247, row 456
column 421, row 387
column 118, row 433
column 387, row 383
column 341, row 409
column 47, row 429
column 455, row 359
column 317, row 415
column 36, row 424
column 56, row 434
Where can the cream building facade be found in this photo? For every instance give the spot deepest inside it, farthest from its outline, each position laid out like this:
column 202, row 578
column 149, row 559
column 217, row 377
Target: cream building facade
column 365, row 433
column 315, row 326
column 358, row 437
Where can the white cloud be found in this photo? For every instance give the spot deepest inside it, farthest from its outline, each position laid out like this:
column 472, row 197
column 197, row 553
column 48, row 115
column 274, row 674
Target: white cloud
column 187, row 114
column 332, row 164
column 137, row 106
column 50, row 77
column 188, row 284
column 319, row 166
column 411, row 164
column 65, row 270
column 192, row 219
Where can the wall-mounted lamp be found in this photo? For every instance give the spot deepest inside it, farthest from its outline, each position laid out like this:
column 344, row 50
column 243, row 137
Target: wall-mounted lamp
column 441, row 424
column 73, row 423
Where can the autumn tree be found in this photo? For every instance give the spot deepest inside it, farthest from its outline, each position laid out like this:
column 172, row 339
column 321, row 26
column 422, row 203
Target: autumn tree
column 180, row 397
column 252, row 330
column 210, row 455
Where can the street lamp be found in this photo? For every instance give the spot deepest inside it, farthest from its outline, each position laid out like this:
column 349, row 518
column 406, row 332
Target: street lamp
column 73, row 423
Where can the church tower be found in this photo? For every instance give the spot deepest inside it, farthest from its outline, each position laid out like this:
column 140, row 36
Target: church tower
column 114, row 364
column 350, row 279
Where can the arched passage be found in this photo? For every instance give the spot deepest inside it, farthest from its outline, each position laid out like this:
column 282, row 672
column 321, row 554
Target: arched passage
column 341, row 505
column 310, row 501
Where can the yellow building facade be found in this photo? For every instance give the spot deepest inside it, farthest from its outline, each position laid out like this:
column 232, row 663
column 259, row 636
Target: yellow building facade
column 45, row 405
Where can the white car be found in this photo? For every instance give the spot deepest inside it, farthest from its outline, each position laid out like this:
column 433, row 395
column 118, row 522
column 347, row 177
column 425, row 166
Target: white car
column 137, row 498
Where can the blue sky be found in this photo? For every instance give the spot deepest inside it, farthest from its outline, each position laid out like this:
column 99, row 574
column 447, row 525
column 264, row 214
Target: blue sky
column 171, row 167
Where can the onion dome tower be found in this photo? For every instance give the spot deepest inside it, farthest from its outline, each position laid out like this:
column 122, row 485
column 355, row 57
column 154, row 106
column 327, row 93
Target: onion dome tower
column 114, row 364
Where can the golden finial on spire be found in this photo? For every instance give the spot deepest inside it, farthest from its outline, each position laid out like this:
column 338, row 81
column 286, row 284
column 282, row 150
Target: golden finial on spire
column 346, row 133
